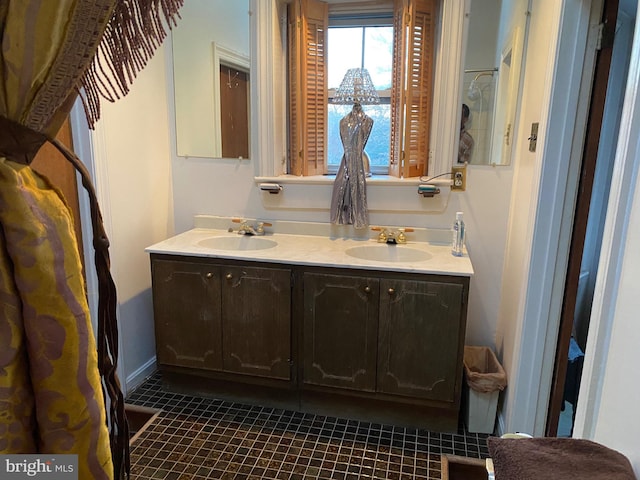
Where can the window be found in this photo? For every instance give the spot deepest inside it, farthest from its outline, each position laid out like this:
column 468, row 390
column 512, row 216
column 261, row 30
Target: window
column 369, row 46
column 399, row 144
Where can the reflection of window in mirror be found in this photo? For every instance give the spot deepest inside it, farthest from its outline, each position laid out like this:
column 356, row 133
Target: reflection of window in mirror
column 234, row 112
column 393, row 41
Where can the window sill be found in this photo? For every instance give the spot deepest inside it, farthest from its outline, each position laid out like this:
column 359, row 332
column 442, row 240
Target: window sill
column 382, row 180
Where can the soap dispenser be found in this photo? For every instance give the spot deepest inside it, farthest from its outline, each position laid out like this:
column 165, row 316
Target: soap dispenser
column 457, row 246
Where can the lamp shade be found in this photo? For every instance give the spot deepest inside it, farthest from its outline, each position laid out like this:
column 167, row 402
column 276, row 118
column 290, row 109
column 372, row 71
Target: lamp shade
column 356, row 87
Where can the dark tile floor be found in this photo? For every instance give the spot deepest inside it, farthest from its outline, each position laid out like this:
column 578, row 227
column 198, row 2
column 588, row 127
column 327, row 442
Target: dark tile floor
column 198, row 438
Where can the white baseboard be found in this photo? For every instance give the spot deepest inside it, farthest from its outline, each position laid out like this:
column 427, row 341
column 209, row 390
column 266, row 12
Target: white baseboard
column 139, row 375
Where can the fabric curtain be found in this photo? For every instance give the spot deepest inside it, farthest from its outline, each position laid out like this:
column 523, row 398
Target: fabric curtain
column 59, row 392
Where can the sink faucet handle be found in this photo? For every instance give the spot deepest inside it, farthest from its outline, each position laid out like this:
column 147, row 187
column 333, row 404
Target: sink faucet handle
column 260, row 227
column 244, row 226
column 400, row 236
column 382, row 236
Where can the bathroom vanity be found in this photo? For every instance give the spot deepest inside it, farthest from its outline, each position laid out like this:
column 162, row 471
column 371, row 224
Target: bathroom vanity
column 343, row 327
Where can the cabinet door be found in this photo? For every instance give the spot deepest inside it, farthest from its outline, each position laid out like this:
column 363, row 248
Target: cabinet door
column 418, row 352
column 340, row 331
column 256, row 319
column 186, row 304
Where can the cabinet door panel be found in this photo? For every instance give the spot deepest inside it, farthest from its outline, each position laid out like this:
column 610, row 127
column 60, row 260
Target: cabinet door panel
column 419, row 338
column 256, row 319
column 340, row 331
column 186, row 302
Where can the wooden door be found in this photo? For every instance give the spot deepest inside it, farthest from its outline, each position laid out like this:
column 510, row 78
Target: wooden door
column 256, row 321
column 234, row 112
column 186, row 309
column 340, row 331
column 419, row 342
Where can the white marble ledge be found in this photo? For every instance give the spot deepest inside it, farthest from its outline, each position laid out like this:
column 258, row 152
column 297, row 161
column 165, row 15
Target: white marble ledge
column 295, row 248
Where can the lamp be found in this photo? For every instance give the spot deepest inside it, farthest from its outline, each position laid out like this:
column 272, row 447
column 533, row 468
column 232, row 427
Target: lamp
column 349, row 201
column 356, row 87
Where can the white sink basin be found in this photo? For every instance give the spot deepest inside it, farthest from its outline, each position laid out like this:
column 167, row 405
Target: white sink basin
column 241, row 242
column 388, row 253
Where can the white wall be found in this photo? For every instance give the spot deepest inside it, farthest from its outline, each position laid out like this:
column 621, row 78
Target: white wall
column 618, row 421
column 133, row 182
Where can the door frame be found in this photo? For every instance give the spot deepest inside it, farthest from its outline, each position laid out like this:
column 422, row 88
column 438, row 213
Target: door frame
column 598, row 82
column 85, row 143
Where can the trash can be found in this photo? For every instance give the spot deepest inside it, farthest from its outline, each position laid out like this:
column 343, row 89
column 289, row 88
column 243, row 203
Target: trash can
column 484, row 379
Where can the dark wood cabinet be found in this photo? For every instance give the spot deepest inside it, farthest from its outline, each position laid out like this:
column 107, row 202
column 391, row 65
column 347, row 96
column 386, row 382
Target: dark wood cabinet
column 383, row 334
column 419, row 339
column 186, row 304
column 376, row 345
column 340, row 331
column 256, row 321
column 222, row 317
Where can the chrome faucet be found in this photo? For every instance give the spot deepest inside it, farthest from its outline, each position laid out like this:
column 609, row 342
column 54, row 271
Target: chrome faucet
column 389, row 235
column 248, row 229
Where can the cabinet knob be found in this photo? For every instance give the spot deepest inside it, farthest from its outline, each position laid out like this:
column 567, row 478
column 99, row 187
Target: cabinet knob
column 209, row 275
column 229, row 276
column 367, row 289
column 392, row 291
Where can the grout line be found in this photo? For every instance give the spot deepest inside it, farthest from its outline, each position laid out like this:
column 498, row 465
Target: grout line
column 269, row 442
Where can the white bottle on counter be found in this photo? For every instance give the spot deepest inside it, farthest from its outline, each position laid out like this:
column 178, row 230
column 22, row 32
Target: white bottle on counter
column 457, row 246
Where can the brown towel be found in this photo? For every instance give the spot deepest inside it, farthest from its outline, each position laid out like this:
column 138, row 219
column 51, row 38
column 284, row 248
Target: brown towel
column 556, row 458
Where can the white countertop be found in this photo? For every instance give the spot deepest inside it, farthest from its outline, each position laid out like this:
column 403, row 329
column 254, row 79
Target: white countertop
column 318, row 249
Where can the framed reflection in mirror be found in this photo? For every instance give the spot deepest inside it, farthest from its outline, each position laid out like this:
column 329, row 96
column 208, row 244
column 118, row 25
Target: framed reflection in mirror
column 211, row 50
column 490, row 85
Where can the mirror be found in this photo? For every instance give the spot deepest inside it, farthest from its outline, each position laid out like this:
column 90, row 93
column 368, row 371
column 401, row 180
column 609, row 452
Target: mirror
column 490, row 83
column 211, row 77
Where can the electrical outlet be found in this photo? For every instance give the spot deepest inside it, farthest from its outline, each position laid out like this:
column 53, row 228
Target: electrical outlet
column 459, row 177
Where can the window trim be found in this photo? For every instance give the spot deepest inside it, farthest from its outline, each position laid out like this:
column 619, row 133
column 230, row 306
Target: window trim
column 268, row 96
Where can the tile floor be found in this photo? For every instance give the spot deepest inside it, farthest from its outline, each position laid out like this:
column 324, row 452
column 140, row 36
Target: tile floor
column 202, row 438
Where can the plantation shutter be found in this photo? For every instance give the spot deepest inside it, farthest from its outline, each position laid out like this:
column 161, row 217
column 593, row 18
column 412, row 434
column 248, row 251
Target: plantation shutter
column 411, row 104
column 308, row 23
